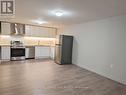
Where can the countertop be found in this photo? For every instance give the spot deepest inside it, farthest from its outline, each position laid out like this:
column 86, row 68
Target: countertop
column 4, row 45
column 39, row 45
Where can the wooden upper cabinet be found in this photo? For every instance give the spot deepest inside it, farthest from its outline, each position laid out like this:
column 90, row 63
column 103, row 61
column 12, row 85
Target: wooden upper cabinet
column 52, row 32
column 29, row 30
column 5, row 28
column 37, row 31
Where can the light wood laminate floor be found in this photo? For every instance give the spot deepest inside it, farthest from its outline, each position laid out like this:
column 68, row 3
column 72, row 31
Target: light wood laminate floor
column 44, row 77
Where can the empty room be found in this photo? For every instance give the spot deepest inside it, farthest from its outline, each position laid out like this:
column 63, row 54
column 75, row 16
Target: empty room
column 62, row 47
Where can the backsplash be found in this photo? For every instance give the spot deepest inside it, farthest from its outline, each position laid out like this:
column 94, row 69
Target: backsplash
column 5, row 40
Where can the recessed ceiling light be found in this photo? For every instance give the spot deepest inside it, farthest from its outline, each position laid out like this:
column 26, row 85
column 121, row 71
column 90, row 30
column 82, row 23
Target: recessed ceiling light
column 59, row 13
column 39, row 21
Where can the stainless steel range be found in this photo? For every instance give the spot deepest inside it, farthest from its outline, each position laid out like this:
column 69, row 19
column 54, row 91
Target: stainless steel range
column 17, row 50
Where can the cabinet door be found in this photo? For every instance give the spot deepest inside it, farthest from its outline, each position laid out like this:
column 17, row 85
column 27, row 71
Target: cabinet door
column 5, row 53
column 37, row 31
column 45, row 51
column 28, row 30
column 52, row 52
column 33, row 31
column 37, row 52
column 42, row 52
column 48, row 32
column 52, row 32
column 41, row 32
column 5, row 28
column 26, row 52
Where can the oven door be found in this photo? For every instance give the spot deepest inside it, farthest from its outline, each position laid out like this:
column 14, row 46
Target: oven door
column 17, row 53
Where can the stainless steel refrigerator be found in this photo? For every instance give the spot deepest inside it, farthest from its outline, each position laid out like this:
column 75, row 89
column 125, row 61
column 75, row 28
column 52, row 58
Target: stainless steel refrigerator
column 63, row 49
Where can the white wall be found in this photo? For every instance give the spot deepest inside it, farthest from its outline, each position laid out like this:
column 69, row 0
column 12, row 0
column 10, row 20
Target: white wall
column 100, row 46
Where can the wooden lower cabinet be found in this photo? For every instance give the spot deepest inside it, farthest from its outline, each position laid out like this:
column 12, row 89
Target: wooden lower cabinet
column 5, row 53
column 42, row 52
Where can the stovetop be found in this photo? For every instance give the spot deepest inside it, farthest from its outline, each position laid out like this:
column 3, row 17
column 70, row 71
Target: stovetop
column 17, row 44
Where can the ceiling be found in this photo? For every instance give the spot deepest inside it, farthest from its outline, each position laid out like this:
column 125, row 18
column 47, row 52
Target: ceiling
column 76, row 11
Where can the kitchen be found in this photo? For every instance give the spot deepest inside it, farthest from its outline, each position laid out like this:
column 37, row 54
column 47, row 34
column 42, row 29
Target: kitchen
column 23, row 41
column 67, row 47
column 32, row 41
